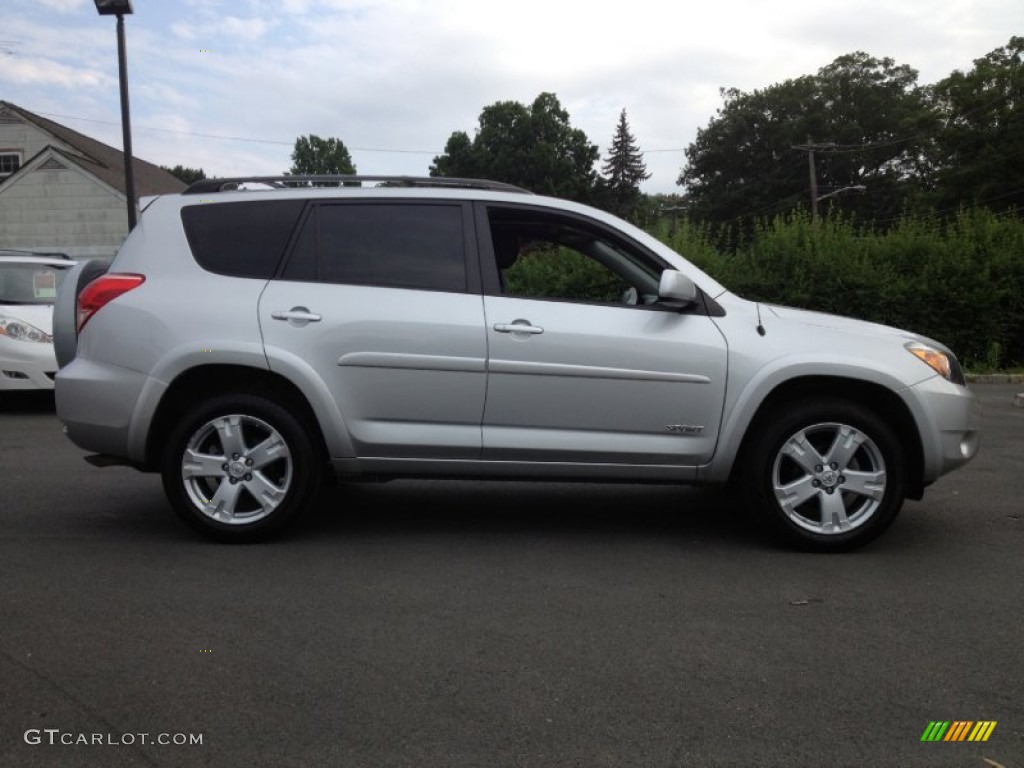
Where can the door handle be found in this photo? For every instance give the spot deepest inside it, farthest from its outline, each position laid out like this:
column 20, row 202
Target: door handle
column 297, row 316
column 519, row 326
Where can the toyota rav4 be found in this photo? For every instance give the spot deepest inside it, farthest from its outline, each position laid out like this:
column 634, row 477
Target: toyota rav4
column 253, row 334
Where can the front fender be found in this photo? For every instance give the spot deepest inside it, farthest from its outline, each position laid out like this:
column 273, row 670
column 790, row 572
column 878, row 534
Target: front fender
column 749, row 392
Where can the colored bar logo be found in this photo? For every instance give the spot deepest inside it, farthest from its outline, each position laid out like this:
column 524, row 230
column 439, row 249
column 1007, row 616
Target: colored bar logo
column 958, row 730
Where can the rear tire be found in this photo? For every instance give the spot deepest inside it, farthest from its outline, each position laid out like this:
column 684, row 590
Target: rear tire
column 240, row 468
column 827, row 475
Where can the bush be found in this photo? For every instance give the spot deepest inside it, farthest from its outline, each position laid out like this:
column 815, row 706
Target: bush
column 960, row 281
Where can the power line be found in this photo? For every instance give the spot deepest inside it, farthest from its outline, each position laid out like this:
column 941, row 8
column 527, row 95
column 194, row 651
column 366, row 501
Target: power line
column 231, row 138
column 278, row 142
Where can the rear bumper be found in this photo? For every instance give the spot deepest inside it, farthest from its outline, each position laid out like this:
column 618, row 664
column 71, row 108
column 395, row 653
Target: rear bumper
column 96, row 405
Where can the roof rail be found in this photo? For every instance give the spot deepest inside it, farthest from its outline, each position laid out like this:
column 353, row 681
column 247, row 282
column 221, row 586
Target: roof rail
column 206, row 186
column 18, row 253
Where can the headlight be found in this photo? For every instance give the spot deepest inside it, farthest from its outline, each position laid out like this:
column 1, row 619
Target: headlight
column 22, row 331
column 939, row 361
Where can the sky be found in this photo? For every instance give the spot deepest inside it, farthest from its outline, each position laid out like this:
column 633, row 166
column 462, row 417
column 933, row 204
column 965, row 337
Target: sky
column 228, row 85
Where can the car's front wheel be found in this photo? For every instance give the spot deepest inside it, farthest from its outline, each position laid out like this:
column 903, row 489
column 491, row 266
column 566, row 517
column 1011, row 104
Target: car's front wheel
column 240, row 467
column 827, row 474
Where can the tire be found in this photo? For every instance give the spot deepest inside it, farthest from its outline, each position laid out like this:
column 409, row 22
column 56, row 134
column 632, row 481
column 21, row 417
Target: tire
column 827, row 475
column 240, row 468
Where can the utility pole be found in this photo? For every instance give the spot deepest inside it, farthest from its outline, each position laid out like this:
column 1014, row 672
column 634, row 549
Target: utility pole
column 674, row 210
column 809, row 148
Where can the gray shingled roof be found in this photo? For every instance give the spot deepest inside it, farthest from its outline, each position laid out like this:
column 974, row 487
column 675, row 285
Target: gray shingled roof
column 104, row 162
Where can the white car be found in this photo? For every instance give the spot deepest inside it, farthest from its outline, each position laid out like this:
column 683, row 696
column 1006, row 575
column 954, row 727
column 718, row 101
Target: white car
column 28, row 289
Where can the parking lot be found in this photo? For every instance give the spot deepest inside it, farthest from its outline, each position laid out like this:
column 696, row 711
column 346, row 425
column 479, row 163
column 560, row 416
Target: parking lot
column 502, row 624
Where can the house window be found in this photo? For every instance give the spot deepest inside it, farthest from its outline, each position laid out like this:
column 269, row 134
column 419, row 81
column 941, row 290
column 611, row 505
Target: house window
column 9, row 163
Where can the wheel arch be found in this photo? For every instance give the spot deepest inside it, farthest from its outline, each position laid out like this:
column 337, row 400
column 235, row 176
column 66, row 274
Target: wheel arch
column 218, row 379
column 873, row 396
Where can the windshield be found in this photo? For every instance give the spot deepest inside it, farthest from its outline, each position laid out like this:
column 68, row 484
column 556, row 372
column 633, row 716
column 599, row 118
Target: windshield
column 30, row 283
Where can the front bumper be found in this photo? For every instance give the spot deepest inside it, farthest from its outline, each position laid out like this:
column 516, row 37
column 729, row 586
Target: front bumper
column 949, row 416
column 26, row 365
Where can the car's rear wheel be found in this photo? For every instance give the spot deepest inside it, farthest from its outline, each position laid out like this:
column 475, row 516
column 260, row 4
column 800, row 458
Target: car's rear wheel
column 240, row 468
column 828, row 475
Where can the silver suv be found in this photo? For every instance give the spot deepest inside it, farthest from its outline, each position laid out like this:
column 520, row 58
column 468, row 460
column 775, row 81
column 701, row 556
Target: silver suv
column 251, row 333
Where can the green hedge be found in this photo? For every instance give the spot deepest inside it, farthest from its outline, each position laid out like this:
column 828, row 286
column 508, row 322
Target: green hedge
column 959, row 281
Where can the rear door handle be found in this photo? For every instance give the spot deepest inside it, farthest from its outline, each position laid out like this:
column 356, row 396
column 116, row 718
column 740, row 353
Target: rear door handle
column 519, row 326
column 297, row 316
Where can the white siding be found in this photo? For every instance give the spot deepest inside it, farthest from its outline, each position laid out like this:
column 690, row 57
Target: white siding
column 24, row 138
column 62, row 210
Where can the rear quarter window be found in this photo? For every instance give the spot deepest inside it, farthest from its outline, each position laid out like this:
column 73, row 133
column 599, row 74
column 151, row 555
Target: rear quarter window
column 244, row 239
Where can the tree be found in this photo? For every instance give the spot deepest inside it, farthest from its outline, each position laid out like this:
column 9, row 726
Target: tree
column 866, row 117
column 186, row 174
column 533, row 146
column 314, row 155
column 979, row 153
column 623, row 170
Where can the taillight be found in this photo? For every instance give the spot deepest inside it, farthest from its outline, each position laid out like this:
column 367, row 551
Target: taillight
column 103, row 290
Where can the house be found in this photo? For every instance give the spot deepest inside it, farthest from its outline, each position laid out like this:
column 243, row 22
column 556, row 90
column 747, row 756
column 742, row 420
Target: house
column 63, row 191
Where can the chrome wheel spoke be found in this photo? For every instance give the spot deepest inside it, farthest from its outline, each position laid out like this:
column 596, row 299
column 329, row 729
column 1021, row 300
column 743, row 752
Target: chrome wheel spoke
column 870, row 484
column 270, row 450
column 229, row 430
column 799, row 449
column 222, row 506
column 266, row 493
column 833, row 513
column 792, row 495
column 196, row 464
column 846, row 443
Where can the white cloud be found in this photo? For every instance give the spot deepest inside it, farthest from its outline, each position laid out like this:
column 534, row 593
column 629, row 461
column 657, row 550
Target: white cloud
column 64, row 6
column 183, row 30
column 250, row 30
column 36, row 72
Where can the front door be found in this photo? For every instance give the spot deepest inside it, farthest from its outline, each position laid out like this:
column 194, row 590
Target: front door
column 584, row 364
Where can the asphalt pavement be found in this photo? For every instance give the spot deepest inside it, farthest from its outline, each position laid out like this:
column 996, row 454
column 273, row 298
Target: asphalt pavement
column 502, row 624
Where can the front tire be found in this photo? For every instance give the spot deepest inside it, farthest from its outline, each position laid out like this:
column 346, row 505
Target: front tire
column 240, row 468
column 827, row 475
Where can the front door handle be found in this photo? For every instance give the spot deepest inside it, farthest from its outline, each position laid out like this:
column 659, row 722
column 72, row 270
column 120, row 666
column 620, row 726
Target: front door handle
column 297, row 316
column 518, row 326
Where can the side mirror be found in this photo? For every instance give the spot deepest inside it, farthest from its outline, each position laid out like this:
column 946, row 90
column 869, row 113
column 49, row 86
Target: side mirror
column 677, row 288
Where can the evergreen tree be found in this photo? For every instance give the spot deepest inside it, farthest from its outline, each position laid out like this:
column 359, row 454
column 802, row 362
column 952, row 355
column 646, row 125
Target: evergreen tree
column 186, row 174
column 623, row 171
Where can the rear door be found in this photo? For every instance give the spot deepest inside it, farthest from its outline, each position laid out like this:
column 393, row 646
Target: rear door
column 380, row 303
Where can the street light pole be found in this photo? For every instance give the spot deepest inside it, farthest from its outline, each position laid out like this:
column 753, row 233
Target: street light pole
column 120, row 8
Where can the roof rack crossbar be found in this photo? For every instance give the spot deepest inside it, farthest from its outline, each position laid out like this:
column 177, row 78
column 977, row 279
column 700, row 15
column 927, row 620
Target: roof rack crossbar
column 206, row 186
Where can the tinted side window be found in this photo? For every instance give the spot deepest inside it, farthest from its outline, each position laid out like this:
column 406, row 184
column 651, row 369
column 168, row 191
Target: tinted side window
column 245, row 239
column 542, row 255
column 392, row 245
